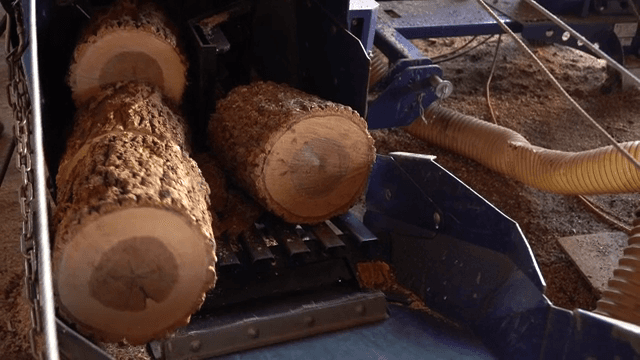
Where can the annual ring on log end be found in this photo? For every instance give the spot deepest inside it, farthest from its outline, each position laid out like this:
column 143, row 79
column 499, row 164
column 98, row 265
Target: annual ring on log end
column 117, row 53
column 132, row 271
column 132, row 66
column 318, row 167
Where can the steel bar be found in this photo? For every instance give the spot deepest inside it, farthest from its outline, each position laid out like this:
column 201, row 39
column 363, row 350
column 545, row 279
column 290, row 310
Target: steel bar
column 582, row 39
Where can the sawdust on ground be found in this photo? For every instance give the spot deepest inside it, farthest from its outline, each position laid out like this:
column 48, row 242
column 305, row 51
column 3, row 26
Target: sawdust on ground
column 525, row 101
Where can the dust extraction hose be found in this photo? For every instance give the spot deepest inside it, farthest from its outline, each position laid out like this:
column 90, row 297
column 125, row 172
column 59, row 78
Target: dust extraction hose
column 598, row 171
column 621, row 299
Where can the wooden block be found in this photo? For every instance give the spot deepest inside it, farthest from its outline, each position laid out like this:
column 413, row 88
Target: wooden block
column 596, row 255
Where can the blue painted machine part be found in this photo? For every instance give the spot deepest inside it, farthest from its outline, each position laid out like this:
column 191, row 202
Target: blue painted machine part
column 363, row 15
column 409, row 92
column 471, row 263
column 441, row 18
column 407, row 334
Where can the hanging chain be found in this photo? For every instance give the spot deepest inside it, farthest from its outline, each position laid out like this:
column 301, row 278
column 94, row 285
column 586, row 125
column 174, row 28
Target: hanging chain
column 18, row 98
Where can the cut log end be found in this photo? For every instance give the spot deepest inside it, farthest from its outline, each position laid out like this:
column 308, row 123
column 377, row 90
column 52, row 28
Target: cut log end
column 127, row 55
column 318, row 168
column 134, row 274
column 129, row 41
column 301, row 157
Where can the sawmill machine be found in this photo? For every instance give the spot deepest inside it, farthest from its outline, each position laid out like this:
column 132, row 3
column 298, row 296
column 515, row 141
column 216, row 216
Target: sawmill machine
column 469, row 263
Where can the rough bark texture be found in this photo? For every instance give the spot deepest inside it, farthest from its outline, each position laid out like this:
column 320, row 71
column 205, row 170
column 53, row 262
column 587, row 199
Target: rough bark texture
column 231, row 209
column 261, row 135
column 134, row 20
column 132, row 202
column 125, row 171
column 131, row 107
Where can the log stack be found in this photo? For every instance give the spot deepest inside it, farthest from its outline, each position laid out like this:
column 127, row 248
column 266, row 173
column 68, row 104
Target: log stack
column 135, row 220
column 134, row 251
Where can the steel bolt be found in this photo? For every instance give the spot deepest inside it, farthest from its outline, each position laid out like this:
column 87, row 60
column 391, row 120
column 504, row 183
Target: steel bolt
column 195, row 346
column 437, row 219
column 443, row 88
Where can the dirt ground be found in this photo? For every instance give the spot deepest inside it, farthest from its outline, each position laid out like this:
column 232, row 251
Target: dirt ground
column 523, row 100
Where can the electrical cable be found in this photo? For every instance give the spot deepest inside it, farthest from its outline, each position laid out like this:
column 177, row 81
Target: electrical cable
column 555, row 82
column 455, row 50
column 493, row 68
column 464, row 52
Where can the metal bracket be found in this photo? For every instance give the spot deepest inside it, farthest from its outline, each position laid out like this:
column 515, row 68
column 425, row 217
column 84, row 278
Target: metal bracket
column 74, row 346
column 259, row 325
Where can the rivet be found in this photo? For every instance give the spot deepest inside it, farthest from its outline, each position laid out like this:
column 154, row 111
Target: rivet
column 436, row 218
column 309, row 321
column 253, row 332
column 360, row 309
column 387, row 194
column 195, row 345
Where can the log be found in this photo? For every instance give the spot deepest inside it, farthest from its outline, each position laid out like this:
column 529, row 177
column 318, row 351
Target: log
column 133, row 107
column 134, row 252
column 129, row 42
column 301, row 157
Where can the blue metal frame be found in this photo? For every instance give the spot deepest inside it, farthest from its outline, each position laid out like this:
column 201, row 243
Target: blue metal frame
column 365, row 11
column 472, row 264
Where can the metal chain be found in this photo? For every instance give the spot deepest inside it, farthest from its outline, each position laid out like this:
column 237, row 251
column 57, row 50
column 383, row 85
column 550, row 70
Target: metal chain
column 18, row 98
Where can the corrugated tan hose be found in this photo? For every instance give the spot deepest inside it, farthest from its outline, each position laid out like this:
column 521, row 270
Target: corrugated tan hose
column 599, row 171
column 621, row 299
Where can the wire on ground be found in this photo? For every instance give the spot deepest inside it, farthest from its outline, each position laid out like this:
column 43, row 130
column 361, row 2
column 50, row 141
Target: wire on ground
column 555, row 82
column 437, row 61
column 493, row 68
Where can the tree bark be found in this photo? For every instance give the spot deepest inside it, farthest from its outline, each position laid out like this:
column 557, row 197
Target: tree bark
column 130, row 106
column 129, row 42
column 134, row 251
column 301, row 157
column 232, row 210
